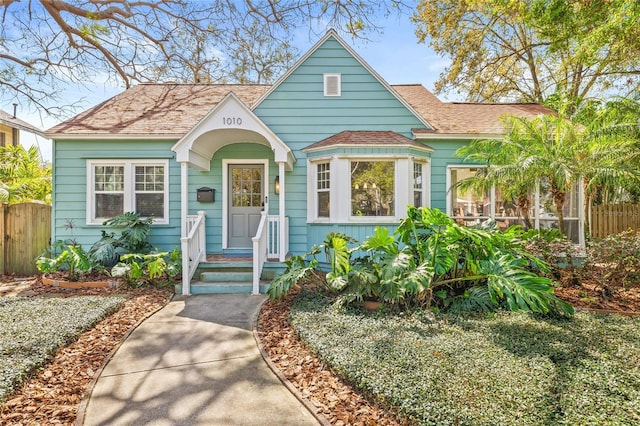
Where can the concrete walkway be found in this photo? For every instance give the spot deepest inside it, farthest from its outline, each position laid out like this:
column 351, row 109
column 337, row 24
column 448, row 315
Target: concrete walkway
column 195, row 362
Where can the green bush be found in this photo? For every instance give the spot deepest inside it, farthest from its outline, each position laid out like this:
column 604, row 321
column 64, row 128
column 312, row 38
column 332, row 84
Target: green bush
column 431, row 260
column 158, row 268
column 72, row 259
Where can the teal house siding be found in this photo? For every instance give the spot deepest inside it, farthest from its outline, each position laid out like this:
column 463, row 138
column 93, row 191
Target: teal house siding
column 69, row 220
column 299, row 113
column 441, row 158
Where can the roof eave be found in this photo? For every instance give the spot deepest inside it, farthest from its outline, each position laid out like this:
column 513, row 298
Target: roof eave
column 352, row 145
column 112, row 136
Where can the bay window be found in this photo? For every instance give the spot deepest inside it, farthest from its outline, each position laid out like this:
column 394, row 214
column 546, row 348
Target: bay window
column 118, row 186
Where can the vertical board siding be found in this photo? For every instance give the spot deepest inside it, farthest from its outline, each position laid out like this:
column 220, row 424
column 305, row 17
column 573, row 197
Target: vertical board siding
column 299, row 113
column 26, row 230
column 609, row 219
column 70, row 191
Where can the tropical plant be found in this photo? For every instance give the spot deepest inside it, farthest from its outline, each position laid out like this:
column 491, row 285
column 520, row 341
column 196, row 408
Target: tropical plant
column 132, row 239
column 430, row 255
column 72, row 259
column 156, row 268
column 23, row 176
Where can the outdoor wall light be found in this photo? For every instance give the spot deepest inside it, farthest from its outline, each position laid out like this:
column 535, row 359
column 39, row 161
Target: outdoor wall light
column 276, row 185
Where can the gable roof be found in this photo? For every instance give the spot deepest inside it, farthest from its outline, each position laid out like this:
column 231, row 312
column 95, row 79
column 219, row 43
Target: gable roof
column 332, row 34
column 156, row 110
column 366, row 138
column 464, row 118
column 11, row 121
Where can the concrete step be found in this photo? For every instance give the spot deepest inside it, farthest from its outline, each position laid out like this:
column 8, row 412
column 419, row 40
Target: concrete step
column 229, row 287
column 231, row 275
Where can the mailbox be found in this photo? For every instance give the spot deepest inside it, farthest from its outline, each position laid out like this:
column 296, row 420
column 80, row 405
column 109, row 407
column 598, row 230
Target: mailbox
column 206, row 195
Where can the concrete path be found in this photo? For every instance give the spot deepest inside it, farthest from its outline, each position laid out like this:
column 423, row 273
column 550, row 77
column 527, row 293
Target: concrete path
column 195, row 362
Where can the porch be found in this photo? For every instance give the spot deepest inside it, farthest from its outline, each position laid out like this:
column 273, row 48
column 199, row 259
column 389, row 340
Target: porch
column 234, row 273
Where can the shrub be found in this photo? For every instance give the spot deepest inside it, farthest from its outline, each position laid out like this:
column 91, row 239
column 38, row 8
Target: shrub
column 72, row 258
column 148, row 269
column 614, row 260
column 132, row 239
column 431, row 255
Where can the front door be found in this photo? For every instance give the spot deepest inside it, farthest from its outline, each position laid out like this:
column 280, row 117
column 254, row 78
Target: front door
column 246, row 199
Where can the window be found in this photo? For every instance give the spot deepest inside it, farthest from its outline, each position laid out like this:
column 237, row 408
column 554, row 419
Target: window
column 119, row 186
column 323, row 186
column 469, row 207
column 418, row 184
column 372, row 188
column 3, row 138
column 332, row 85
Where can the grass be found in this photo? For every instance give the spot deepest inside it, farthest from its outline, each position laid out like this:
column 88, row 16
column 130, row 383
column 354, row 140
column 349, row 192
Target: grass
column 31, row 330
column 498, row 369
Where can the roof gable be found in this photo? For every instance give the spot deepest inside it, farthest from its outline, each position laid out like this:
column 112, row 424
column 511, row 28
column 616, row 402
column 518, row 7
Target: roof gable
column 366, row 138
column 333, row 40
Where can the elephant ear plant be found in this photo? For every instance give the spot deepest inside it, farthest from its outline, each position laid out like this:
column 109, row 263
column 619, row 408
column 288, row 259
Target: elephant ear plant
column 431, row 260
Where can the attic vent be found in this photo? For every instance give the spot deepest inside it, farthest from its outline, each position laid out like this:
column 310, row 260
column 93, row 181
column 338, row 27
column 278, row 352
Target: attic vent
column 332, row 85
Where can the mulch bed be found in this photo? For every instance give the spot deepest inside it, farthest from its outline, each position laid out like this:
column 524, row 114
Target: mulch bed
column 54, row 394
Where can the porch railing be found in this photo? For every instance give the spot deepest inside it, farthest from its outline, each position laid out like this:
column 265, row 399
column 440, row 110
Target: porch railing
column 193, row 249
column 267, row 245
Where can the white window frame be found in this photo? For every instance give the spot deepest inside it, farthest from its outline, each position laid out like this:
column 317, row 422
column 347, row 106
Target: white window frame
column 129, row 186
column 326, row 78
column 340, row 192
column 535, row 197
column 318, row 190
column 424, row 164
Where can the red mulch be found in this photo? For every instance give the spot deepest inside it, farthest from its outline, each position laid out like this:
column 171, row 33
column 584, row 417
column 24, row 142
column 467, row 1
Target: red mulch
column 53, row 395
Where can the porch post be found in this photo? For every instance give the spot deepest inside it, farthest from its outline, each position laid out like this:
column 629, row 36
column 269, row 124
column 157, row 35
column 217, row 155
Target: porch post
column 184, row 211
column 281, row 211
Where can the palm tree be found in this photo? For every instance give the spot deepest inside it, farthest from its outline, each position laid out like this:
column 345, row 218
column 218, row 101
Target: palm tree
column 23, row 177
column 554, row 150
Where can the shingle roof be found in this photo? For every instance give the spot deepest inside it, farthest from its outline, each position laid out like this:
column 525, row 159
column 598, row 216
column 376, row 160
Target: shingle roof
column 171, row 110
column 461, row 117
column 366, row 137
column 9, row 120
column 155, row 109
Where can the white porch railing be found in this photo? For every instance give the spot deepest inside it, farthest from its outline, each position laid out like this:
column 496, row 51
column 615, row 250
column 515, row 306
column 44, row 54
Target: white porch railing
column 267, row 245
column 193, row 249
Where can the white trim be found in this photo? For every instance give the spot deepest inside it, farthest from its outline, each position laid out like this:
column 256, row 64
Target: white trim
column 228, row 117
column 326, row 77
column 334, row 34
column 226, row 162
column 129, row 192
column 377, row 146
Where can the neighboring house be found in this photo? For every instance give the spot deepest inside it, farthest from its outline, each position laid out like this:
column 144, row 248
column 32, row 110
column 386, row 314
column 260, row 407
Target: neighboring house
column 10, row 127
column 268, row 171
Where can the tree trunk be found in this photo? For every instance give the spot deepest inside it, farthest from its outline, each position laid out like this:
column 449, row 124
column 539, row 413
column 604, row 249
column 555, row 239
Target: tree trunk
column 523, row 204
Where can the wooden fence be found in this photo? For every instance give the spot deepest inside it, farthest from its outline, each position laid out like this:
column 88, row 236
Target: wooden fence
column 25, row 231
column 608, row 219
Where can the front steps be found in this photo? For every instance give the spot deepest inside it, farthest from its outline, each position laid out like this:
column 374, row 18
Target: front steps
column 230, row 275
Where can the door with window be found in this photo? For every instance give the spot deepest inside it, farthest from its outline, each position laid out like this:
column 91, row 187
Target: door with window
column 246, row 201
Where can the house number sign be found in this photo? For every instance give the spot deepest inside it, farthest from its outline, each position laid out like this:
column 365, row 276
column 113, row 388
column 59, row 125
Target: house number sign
column 232, row 121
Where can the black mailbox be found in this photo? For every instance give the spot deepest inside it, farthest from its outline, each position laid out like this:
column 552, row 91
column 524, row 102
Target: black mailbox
column 206, row 195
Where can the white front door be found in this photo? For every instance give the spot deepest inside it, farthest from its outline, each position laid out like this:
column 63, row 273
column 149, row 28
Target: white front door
column 246, row 202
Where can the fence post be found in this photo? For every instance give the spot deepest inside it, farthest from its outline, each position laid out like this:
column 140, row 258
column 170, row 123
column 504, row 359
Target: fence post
column 3, row 240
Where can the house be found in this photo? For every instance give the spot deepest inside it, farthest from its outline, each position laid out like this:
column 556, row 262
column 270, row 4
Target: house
column 10, row 127
column 268, row 170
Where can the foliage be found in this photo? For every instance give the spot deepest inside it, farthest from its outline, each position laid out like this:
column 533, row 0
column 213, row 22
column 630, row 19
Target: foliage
column 531, row 51
column 551, row 246
column 149, row 269
column 504, row 368
column 72, row 258
column 552, row 151
column 49, row 45
column 132, row 239
column 430, row 253
column 23, row 176
column 32, row 330
column 613, row 261
column 297, row 269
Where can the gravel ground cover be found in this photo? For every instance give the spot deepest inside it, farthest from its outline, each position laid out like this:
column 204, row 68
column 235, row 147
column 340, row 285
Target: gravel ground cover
column 506, row 368
column 32, row 330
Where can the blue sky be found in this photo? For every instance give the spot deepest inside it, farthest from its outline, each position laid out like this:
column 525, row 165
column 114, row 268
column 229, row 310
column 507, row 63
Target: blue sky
column 395, row 54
